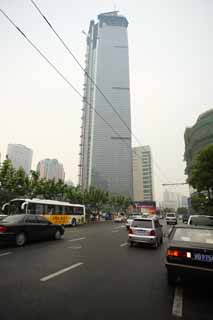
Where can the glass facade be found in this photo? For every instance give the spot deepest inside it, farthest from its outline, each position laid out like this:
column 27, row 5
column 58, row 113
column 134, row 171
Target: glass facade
column 105, row 157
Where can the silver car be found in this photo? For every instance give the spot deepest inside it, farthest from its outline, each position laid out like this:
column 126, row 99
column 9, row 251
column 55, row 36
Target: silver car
column 145, row 230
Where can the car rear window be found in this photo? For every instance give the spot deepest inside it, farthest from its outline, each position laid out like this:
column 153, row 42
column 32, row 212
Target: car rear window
column 142, row 224
column 171, row 215
column 193, row 235
column 202, row 221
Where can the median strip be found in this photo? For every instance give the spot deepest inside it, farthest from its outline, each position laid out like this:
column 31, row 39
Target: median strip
column 177, row 308
column 5, row 254
column 77, row 239
column 53, row 275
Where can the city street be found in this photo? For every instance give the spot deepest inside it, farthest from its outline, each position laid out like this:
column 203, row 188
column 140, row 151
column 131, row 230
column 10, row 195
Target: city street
column 93, row 274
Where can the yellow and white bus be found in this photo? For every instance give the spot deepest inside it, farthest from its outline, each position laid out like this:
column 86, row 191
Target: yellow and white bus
column 59, row 212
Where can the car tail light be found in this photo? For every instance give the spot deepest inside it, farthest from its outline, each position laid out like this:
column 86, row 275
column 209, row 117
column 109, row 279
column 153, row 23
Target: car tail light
column 130, row 231
column 178, row 253
column 152, row 233
column 3, row 229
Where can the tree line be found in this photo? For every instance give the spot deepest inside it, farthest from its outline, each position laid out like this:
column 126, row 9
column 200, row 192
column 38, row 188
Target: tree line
column 17, row 184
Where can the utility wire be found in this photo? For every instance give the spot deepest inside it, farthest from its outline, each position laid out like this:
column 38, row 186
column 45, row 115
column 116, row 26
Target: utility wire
column 60, row 74
column 63, row 77
column 90, row 78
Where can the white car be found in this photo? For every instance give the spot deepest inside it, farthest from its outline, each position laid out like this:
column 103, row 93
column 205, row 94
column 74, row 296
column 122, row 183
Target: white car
column 201, row 220
column 119, row 219
column 131, row 218
column 171, row 218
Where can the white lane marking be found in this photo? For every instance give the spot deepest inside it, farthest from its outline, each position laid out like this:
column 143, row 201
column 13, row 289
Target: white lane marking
column 115, row 230
column 177, row 308
column 77, row 239
column 74, row 247
column 5, row 254
column 120, row 227
column 53, row 275
column 123, row 244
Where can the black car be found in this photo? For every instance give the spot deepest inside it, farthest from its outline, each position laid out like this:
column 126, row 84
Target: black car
column 189, row 252
column 21, row 228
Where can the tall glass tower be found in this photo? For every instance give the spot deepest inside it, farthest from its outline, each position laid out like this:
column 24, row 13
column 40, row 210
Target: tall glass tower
column 105, row 157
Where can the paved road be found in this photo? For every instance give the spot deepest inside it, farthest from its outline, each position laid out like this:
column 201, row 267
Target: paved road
column 93, row 274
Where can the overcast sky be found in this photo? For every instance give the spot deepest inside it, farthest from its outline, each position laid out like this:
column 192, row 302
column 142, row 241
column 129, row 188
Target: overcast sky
column 171, row 70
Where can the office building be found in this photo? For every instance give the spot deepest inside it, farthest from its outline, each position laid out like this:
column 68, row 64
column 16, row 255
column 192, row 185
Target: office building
column 105, row 154
column 174, row 200
column 142, row 174
column 20, row 156
column 197, row 137
column 51, row 169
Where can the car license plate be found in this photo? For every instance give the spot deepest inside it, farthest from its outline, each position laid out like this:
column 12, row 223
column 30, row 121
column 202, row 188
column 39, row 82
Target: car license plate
column 141, row 232
column 203, row 257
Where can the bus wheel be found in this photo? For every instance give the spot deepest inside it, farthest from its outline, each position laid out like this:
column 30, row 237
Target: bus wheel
column 74, row 223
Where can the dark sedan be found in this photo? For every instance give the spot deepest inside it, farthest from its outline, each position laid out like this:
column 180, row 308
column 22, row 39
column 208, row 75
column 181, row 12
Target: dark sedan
column 22, row 228
column 190, row 252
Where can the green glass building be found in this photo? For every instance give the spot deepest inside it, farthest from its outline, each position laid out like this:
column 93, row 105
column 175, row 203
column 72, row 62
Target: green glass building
column 197, row 137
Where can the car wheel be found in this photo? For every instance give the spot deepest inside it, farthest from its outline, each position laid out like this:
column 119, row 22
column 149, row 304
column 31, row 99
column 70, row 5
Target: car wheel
column 57, row 235
column 171, row 277
column 74, row 223
column 21, row 239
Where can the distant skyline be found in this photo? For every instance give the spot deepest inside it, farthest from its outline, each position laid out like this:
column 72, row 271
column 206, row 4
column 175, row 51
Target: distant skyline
column 170, row 76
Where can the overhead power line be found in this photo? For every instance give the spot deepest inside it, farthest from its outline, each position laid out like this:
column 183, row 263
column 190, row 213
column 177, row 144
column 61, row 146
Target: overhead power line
column 63, row 77
column 91, row 79
column 61, row 74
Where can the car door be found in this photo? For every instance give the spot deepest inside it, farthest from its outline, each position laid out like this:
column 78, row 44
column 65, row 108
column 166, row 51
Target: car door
column 46, row 227
column 32, row 227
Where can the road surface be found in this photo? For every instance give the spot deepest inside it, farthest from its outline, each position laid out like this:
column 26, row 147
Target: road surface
column 93, row 274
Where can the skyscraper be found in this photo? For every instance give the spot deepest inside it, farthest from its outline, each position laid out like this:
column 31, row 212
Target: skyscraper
column 51, row 169
column 20, row 156
column 105, row 156
column 142, row 174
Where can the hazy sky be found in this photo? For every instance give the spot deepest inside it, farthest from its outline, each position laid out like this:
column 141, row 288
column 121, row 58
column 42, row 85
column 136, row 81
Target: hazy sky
column 171, row 69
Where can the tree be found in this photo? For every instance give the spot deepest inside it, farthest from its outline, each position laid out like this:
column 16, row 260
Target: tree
column 199, row 203
column 202, row 172
column 182, row 210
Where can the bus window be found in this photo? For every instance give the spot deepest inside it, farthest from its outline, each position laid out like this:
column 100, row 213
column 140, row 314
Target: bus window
column 78, row 211
column 69, row 210
column 31, row 208
column 59, row 209
column 39, row 208
column 50, row 209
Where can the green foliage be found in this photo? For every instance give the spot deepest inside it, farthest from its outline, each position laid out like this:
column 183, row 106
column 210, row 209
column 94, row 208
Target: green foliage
column 202, row 171
column 182, row 210
column 15, row 183
column 201, row 179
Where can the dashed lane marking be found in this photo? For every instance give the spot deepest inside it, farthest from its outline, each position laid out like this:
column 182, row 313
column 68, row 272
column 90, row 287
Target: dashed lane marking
column 53, row 275
column 123, row 244
column 177, row 308
column 115, row 230
column 74, row 247
column 77, row 239
column 5, row 254
column 120, row 227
